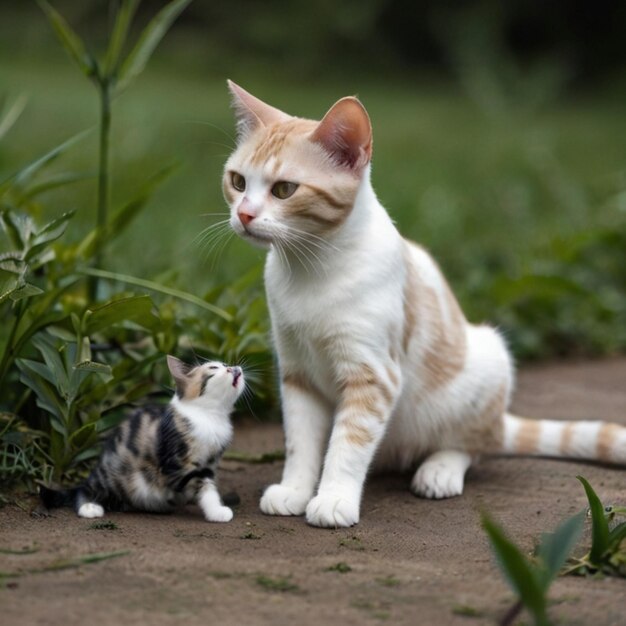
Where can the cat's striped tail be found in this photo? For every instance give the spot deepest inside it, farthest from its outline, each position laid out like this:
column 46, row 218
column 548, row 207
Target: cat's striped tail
column 592, row 440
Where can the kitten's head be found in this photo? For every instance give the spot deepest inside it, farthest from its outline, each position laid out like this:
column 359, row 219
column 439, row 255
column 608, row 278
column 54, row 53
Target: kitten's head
column 289, row 176
column 213, row 381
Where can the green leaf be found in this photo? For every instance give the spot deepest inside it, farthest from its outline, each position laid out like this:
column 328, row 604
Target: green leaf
column 517, row 570
column 134, row 308
column 599, row 525
column 85, row 436
column 53, row 226
column 12, row 115
column 152, row 286
column 69, row 40
column 123, row 20
column 53, row 360
column 51, row 183
column 121, row 219
column 149, row 39
column 12, row 226
column 41, row 369
column 47, row 398
column 556, row 547
column 24, row 174
column 94, row 367
column 25, row 290
column 616, row 536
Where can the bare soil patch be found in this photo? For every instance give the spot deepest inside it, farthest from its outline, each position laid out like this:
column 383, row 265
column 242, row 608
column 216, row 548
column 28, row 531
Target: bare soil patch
column 409, row 561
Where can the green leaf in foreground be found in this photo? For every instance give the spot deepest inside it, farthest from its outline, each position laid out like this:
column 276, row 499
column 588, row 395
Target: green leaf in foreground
column 556, row 547
column 518, row 571
column 599, row 525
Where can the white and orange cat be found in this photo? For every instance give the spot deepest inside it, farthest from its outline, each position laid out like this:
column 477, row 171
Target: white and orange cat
column 378, row 365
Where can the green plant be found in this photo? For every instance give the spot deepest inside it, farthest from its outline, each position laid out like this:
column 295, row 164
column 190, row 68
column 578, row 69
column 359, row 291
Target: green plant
column 111, row 75
column 530, row 579
column 72, row 359
column 608, row 544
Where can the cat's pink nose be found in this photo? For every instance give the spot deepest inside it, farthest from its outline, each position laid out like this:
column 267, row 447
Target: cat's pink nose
column 246, row 211
column 245, row 218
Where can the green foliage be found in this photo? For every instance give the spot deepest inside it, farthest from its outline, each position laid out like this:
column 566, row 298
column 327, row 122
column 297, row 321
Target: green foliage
column 531, row 579
column 110, row 77
column 74, row 358
column 608, row 541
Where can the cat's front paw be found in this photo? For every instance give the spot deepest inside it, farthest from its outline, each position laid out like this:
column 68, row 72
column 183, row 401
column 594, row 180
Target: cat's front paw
column 219, row 514
column 330, row 510
column 437, row 481
column 90, row 510
column 283, row 500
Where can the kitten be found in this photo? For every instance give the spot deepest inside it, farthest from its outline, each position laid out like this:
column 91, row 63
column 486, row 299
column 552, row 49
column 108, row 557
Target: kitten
column 165, row 456
column 378, row 364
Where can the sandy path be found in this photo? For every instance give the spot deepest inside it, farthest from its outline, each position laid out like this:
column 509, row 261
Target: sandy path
column 411, row 561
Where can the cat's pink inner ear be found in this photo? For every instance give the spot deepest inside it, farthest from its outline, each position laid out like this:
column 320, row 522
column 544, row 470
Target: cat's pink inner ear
column 251, row 113
column 346, row 133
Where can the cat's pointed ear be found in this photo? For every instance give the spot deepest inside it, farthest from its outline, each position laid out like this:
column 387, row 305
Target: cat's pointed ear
column 179, row 371
column 251, row 113
column 346, row 134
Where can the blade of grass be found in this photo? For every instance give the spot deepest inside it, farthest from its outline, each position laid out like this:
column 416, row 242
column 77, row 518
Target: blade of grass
column 152, row 286
column 556, row 547
column 12, row 115
column 72, row 43
column 123, row 20
column 517, row 570
column 599, row 525
column 149, row 39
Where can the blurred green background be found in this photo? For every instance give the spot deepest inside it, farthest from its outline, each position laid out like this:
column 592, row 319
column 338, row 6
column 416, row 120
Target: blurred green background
column 499, row 134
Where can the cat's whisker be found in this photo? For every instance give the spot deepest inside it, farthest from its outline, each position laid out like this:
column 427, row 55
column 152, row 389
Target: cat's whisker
column 302, row 259
column 221, row 247
column 214, row 231
column 313, row 237
column 204, row 233
column 300, row 246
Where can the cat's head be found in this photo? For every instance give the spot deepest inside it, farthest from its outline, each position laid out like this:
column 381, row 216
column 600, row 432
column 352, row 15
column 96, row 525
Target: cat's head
column 212, row 382
column 290, row 176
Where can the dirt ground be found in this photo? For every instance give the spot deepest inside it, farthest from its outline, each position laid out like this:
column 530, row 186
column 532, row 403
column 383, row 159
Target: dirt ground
column 410, row 561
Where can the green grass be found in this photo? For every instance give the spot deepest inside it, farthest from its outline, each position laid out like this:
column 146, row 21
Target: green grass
column 475, row 190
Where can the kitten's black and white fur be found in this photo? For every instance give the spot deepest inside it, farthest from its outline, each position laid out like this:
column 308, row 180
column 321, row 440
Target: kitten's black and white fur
column 165, row 456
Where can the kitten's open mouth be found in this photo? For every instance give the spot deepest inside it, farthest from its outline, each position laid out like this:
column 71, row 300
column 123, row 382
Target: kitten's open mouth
column 236, row 377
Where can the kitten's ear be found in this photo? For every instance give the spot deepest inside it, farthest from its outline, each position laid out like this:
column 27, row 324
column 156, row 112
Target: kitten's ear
column 179, row 371
column 252, row 112
column 346, row 133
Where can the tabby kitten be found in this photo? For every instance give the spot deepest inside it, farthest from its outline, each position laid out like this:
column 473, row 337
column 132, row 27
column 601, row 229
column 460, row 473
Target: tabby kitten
column 164, row 457
column 378, row 364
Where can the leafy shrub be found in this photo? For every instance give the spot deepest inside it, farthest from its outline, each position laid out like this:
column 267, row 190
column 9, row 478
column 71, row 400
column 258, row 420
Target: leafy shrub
column 81, row 344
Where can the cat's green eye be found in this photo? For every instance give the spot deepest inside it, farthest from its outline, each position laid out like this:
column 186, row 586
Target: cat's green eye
column 283, row 189
column 238, row 181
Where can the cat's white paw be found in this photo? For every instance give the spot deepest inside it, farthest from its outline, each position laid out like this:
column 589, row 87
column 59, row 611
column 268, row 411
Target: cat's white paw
column 219, row 514
column 330, row 510
column 90, row 510
column 283, row 500
column 437, row 480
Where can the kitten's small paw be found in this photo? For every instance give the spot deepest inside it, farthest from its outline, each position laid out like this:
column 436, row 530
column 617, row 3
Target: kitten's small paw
column 221, row 514
column 437, row 480
column 332, row 511
column 90, row 510
column 282, row 500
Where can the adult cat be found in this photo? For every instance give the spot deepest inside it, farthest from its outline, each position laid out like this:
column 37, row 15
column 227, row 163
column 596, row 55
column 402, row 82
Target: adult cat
column 377, row 362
